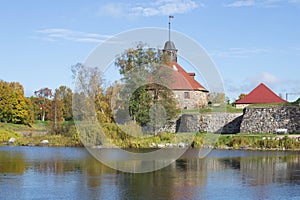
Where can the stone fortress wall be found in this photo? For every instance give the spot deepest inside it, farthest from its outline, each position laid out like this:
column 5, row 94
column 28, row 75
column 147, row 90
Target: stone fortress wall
column 253, row 120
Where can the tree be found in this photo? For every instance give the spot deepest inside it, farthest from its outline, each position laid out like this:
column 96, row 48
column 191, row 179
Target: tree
column 42, row 96
column 90, row 105
column 144, row 73
column 90, row 87
column 14, row 106
column 241, row 96
column 64, row 95
column 217, row 98
column 56, row 114
column 6, row 106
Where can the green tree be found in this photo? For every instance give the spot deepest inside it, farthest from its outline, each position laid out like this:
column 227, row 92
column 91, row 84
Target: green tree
column 142, row 68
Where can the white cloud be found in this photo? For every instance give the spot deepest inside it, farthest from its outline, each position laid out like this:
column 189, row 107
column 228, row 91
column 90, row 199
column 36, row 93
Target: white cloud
column 234, row 89
column 297, row 51
column 167, row 7
column 55, row 34
column 260, row 3
column 267, row 78
column 277, row 83
column 156, row 8
column 245, row 3
column 113, row 9
column 238, row 52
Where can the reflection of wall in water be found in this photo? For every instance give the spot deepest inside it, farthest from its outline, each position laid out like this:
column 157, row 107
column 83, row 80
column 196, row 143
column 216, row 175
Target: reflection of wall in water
column 193, row 175
column 266, row 170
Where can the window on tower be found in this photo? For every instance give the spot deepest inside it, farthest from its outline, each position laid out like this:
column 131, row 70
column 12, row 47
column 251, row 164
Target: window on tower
column 186, row 95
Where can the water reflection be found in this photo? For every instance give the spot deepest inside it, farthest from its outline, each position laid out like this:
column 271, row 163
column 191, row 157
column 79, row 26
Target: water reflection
column 71, row 173
column 12, row 163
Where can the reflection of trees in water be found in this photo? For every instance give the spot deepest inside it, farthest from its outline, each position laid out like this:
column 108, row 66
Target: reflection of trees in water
column 12, row 162
column 180, row 180
column 228, row 163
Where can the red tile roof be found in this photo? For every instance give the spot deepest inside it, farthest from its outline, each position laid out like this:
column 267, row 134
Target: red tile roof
column 260, row 95
column 181, row 80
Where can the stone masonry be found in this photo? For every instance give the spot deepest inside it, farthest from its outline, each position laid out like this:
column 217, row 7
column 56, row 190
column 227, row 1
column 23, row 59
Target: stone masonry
column 253, row 120
column 210, row 122
column 194, row 100
column 270, row 119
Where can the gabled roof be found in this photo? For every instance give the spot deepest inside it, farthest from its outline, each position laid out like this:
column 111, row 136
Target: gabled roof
column 260, row 95
column 181, row 80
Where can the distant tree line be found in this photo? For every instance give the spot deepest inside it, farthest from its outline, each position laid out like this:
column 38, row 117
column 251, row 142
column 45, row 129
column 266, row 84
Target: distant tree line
column 44, row 105
column 141, row 103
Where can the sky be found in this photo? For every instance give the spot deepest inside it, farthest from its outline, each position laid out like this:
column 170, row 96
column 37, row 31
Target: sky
column 250, row 41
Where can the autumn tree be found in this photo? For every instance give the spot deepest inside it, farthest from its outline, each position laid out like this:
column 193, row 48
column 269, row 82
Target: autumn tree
column 5, row 101
column 217, row 98
column 90, row 87
column 42, row 100
column 90, row 105
column 64, row 95
column 241, row 96
column 56, row 114
column 141, row 69
column 14, row 106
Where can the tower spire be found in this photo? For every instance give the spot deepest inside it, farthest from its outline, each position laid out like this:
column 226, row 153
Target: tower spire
column 170, row 17
column 170, row 50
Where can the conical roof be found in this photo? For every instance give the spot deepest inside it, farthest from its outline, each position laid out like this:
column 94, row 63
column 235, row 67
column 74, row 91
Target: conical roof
column 260, row 95
column 169, row 45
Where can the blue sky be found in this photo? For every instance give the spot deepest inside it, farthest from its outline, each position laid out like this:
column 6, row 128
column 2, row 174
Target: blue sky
column 249, row 41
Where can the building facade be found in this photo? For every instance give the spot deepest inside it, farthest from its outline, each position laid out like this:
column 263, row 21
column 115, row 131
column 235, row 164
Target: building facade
column 189, row 93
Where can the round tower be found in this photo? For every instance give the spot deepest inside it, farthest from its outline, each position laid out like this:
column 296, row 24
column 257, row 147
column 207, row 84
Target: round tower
column 170, row 51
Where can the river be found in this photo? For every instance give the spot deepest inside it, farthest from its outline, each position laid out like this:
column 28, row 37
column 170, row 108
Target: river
column 72, row 173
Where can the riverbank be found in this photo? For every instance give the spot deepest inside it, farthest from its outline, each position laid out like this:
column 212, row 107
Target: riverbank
column 32, row 136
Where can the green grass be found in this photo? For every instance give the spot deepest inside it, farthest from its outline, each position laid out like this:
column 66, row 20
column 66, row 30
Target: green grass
column 295, row 103
column 8, row 130
column 228, row 108
column 231, row 109
column 41, row 123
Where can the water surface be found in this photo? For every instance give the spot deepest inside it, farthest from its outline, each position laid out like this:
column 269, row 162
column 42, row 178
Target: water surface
column 72, row 173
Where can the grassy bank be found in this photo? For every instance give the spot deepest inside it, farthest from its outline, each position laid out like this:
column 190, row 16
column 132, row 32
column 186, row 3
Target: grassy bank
column 26, row 135
column 238, row 141
column 34, row 134
column 259, row 141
